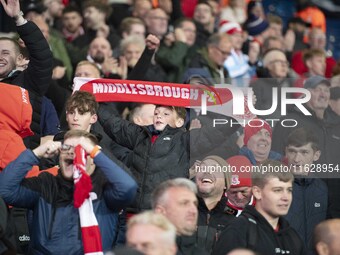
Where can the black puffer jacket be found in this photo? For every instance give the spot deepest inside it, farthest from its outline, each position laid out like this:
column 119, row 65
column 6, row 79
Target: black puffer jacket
column 252, row 227
column 167, row 158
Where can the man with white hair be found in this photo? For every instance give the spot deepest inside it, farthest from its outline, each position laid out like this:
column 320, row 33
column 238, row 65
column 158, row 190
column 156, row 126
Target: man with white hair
column 275, row 73
column 176, row 199
column 151, row 233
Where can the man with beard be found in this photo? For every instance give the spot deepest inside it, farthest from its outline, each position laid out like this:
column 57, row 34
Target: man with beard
column 176, row 199
column 100, row 53
column 55, row 218
column 212, row 179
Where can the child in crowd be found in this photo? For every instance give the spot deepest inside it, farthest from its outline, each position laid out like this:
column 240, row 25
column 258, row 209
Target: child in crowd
column 161, row 151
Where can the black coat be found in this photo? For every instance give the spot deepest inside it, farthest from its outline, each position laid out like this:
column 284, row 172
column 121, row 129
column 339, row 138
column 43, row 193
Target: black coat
column 211, row 223
column 187, row 245
column 168, row 158
column 327, row 130
column 267, row 241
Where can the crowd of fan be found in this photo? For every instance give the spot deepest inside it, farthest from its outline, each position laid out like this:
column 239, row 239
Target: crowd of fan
column 155, row 179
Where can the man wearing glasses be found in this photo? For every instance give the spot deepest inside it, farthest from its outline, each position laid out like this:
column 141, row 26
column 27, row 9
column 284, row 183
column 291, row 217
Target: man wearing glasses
column 55, row 219
column 211, row 58
column 275, row 73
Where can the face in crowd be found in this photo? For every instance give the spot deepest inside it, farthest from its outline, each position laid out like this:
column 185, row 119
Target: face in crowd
column 164, row 116
column 210, row 183
column 67, row 155
column 260, row 144
column 179, row 205
column 274, row 198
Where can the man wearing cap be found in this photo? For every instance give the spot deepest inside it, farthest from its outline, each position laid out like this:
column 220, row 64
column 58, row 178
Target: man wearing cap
column 323, row 121
column 212, row 180
column 237, row 63
column 239, row 194
column 326, row 126
column 257, row 142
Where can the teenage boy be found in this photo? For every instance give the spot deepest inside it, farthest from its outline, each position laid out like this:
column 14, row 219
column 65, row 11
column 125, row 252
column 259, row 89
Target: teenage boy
column 262, row 227
column 55, row 218
column 310, row 203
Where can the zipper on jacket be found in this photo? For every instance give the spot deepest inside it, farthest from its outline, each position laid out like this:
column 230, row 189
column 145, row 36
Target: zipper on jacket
column 143, row 174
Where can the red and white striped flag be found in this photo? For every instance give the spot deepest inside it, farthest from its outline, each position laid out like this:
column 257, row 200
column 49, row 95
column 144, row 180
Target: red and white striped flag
column 92, row 241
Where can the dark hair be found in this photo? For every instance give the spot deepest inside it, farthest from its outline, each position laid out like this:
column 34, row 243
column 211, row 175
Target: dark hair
column 99, row 5
column 81, row 133
column 83, row 101
column 302, row 136
column 71, row 8
column 260, row 178
column 181, row 112
column 206, row 3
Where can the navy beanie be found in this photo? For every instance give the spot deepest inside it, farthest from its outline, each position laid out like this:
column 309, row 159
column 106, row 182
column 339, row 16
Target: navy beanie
column 256, row 25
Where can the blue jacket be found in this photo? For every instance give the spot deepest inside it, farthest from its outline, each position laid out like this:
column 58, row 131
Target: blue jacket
column 308, row 208
column 249, row 154
column 55, row 228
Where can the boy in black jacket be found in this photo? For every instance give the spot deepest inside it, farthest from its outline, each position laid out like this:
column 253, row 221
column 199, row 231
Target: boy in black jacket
column 161, row 151
column 262, row 227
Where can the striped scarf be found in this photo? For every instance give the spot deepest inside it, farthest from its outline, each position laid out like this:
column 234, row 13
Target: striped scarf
column 83, row 197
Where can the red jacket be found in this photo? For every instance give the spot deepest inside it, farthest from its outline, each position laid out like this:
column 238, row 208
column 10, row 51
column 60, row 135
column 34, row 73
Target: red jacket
column 299, row 66
column 15, row 121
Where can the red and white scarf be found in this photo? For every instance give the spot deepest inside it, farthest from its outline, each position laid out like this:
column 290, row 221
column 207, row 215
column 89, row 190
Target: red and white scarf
column 92, row 241
column 218, row 99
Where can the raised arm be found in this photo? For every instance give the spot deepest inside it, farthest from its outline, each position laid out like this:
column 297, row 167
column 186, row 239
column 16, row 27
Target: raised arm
column 139, row 71
column 38, row 74
column 16, row 190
